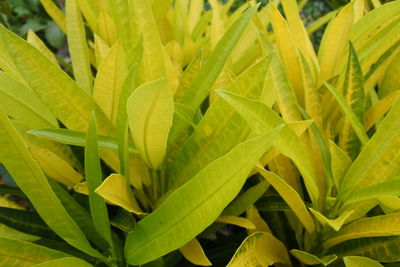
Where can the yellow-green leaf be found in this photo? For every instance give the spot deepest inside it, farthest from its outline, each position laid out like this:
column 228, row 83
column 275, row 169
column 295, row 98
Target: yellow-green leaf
column 357, row 261
column 78, row 47
column 260, row 249
column 194, row 253
column 116, row 190
column 291, row 197
column 67, row 261
column 235, row 220
column 55, row 13
column 150, row 113
column 311, row 259
column 169, row 228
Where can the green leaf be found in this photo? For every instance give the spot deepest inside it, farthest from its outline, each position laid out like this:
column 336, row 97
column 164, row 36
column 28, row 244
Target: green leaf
column 350, row 115
column 383, row 249
column 261, row 118
column 204, row 80
column 109, row 81
column 291, row 197
column 220, row 129
column 376, row 161
column 7, row 232
column 30, row 178
column 64, row 98
column 391, row 188
column 79, row 214
column 353, row 92
column 340, row 163
column 383, row 225
column 337, row 223
column 16, row 253
column 357, row 261
column 260, row 249
column 311, row 259
column 77, row 46
column 150, row 113
column 10, row 190
column 26, row 222
column 67, row 261
column 94, row 178
column 77, row 138
column 117, row 191
column 334, row 41
column 21, row 104
column 168, row 228
column 390, row 80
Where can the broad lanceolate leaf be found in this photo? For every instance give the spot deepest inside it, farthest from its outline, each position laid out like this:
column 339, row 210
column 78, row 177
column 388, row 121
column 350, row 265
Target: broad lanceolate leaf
column 16, row 253
column 209, row 73
column 55, row 13
column 94, row 178
column 78, row 47
column 220, row 129
column 30, row 178
column 353, row 92
column 169, row 228
column 69, row 103
column 150, row 113
column 109, row 81
column 291, row 197
column 23, row 105
column 336, row 37
column 67, row 261
column 261, row 118
column 378, row 160
column 260, row 249
column 383, row 225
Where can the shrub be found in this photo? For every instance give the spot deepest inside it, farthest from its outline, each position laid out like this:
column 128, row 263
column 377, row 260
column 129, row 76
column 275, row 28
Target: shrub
column 195, row 118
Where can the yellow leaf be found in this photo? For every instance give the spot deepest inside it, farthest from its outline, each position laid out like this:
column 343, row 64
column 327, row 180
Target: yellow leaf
column 255, row 217
column 260, row 249
column 35, row 41
column 116, row 190
column 194, row 253
column 150, row 113
column 82, row 188
column 55, row 13
column 238, row 221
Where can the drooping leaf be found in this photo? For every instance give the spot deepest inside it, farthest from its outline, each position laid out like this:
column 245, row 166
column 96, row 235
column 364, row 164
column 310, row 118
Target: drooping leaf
column 261, row 118
column 260, row 249
column 290, row 196
column 30, row 178
column 337, row 223
column 205, row 198
column 311, row 259
column 150, row 113
column 254, row 216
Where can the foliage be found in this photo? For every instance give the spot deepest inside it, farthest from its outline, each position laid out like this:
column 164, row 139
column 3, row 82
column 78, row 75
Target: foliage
column 181, row 136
